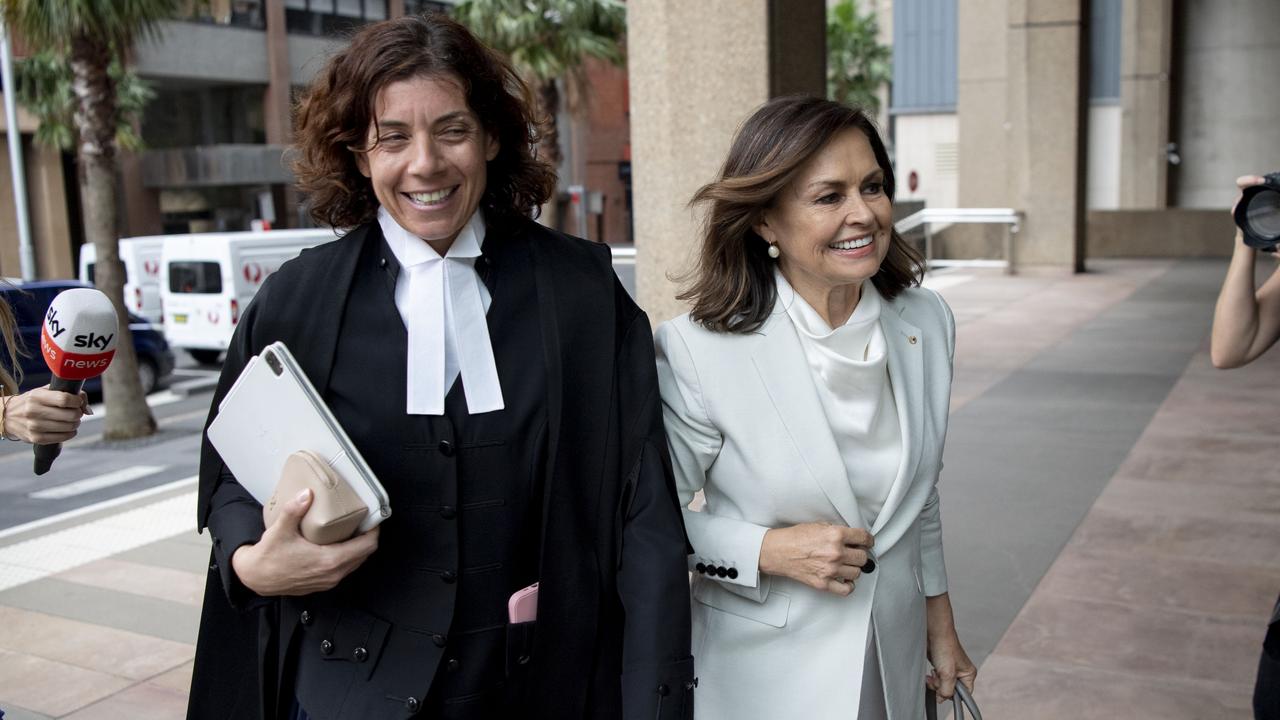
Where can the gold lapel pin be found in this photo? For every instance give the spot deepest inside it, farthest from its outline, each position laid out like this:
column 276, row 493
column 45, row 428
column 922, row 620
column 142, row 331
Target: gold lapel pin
column 911, row 339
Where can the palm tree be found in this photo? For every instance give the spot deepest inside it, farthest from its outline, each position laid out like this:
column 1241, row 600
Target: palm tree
column 857, row 64
column 45, row 90
column 548, row 40
column 91, row 34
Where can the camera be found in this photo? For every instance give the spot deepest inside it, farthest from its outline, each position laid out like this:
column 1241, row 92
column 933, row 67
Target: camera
column 1258, row 213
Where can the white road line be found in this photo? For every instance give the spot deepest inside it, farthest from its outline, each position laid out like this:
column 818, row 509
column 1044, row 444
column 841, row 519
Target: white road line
column 166, row 397
column 188, row 372
column 72, row 547
column 97, row 482
column 105, row 504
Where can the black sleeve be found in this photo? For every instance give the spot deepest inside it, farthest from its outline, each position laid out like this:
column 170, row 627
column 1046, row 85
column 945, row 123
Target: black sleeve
column 232, row 515
column 653, row 581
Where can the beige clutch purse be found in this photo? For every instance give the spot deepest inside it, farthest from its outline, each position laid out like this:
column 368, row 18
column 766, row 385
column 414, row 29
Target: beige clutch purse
column 336, row 510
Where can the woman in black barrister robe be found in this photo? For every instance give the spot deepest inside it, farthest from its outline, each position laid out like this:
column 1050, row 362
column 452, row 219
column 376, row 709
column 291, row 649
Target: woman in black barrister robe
column 500, row 384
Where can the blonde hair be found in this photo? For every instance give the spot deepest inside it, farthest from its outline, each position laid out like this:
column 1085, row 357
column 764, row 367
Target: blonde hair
column 9, row 348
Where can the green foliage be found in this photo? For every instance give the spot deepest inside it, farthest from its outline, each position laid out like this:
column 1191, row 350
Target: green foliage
column 549, row 39
column 857, row 64
column 52, row 24
column 44, row 88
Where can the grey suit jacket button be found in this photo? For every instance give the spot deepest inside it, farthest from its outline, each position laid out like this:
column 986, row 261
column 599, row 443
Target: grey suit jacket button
column 326, row 647
column 733, row 573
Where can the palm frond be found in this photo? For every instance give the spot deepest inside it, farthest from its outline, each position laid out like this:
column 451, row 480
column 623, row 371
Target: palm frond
column 51, row 24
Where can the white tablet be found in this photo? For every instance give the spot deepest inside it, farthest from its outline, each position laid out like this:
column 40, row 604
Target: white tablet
column 273, row 411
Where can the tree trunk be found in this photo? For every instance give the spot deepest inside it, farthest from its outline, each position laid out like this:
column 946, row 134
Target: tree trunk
column 128, row 415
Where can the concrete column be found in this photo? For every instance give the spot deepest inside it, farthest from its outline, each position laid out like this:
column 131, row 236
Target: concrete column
column 1021, row 108
column 141, row 205
column 1227, row 120
column 1146, row 42
column 277, row 103
column 47, row 197
column 46, row 205
column 984, row 132
column 697, row 69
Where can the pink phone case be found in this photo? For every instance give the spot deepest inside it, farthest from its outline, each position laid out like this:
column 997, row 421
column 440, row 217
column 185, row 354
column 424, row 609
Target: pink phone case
column 523, row 605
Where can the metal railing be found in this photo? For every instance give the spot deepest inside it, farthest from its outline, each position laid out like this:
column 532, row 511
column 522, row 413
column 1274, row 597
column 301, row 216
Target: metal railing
column 1008, row 217
column 623, row 254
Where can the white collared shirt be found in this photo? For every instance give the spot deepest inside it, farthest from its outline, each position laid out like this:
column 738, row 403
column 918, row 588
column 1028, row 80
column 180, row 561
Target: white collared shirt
column 443, row 305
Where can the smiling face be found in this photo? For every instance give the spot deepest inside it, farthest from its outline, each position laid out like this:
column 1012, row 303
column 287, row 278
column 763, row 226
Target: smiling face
column 427, row 157
column 833, row 223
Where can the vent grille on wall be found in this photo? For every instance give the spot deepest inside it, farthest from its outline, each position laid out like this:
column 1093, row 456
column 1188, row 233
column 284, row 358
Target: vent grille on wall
column 946, row 158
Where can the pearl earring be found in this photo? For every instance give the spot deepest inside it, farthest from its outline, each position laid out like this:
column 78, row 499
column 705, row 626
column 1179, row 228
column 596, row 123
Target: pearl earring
column 774, row 252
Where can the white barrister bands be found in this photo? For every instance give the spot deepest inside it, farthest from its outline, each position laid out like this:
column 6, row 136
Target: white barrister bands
column 443, row 304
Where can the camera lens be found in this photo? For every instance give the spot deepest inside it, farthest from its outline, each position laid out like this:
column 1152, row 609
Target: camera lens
column 1263, row 214
column 1258, row 214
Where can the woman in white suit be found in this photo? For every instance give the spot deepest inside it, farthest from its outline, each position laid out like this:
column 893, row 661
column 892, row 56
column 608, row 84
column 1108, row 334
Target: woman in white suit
column 806, row 396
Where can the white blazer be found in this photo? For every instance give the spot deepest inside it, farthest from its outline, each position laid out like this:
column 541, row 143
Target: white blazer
column 746, row 427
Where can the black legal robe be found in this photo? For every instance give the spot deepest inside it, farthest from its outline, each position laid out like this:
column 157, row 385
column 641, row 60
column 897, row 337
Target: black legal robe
column 612, row 636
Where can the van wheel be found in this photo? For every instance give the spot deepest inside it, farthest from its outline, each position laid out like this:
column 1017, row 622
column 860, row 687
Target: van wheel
column 147, row 375
column 205, row 357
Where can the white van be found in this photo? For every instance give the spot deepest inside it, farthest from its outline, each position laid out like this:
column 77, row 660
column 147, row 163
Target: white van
column 141, row 258
column 207, row 280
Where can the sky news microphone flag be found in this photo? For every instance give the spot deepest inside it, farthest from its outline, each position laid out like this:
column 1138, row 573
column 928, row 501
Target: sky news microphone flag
column 78, row 342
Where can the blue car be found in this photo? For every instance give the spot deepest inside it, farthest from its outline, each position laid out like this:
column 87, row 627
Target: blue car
column 30, row 301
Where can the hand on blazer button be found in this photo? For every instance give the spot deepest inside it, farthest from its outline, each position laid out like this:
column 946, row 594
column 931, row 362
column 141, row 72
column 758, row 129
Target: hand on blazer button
column 820, row 555
column 285, row 563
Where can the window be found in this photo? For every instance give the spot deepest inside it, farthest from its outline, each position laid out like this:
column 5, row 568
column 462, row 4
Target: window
column 236, row 13
column 1104, row 51
column 204, row 278
column 924, row 56
column 331, row 17
column 89, row 270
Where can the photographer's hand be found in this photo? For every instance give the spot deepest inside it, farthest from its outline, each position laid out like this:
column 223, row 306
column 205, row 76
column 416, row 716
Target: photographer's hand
column 1245, row 322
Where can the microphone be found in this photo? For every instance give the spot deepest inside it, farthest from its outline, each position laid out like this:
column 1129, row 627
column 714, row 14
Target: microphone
column 77, row 343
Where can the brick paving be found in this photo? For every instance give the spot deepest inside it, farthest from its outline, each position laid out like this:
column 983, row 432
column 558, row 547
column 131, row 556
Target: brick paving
column 1146, row 597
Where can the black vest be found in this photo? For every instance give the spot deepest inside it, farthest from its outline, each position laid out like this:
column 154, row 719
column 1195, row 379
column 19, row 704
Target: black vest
column 421, row 626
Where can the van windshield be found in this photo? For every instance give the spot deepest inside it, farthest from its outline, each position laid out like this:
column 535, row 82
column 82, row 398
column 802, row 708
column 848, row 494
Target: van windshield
column 203, row 278
column 91, row 276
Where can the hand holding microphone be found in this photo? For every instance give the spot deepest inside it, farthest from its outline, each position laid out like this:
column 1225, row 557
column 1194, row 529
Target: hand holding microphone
column 78, row 342
column 42, row 416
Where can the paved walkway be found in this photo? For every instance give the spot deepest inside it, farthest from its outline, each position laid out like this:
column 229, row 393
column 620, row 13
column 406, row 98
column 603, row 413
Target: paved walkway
column 1109, row 504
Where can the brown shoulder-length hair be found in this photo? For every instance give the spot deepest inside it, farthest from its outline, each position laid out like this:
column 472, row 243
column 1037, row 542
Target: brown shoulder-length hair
column 334, row 115
column 731, row 286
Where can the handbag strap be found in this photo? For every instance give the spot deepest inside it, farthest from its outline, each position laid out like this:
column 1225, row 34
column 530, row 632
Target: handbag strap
column 960, row 701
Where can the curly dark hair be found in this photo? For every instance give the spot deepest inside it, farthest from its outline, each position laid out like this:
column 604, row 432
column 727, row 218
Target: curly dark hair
column 731, row 286
column 334, row 115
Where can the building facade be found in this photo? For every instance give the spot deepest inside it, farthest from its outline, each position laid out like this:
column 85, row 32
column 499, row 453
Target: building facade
column 225, row 77
column 1117, row 126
